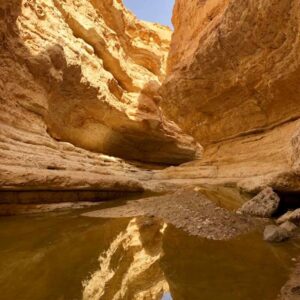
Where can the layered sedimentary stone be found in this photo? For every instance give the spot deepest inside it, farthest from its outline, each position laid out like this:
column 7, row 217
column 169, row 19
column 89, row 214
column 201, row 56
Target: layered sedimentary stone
column 233, row 83
column 83, row 73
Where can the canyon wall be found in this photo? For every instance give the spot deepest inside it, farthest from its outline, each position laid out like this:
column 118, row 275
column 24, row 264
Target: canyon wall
column 233, row 83
column 80, row 84
column 82, row 76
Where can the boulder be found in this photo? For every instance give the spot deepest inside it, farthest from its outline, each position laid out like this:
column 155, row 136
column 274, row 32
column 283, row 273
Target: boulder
column 262, row 205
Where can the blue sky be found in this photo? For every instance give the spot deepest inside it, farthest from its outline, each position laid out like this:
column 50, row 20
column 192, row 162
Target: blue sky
column 159, row 11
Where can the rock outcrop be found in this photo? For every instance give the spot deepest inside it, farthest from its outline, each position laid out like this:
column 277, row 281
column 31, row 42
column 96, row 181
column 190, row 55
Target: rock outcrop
column 233, row 82
column 80, row 75
column 80, row 83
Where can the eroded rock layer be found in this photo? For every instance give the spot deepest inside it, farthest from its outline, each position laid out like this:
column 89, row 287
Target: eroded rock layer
column 234, row 84
column 83, row 73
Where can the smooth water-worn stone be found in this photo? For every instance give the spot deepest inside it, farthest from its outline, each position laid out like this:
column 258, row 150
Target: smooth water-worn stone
column 275, row 234
column 289, row 226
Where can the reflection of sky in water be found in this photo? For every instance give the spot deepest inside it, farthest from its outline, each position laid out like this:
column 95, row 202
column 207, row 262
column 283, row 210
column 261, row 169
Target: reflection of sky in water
column 167, row 296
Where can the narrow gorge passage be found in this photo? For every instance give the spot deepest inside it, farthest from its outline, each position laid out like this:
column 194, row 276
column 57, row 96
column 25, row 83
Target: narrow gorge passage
column 149, row 149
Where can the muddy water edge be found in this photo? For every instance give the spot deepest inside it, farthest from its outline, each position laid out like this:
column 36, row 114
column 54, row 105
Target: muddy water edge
column 67, row 255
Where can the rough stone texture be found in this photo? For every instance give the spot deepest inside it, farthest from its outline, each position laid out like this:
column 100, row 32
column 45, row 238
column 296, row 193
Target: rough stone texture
column 275, row 234
column 263, row 205
column 291, row 290
column 233, row 82
column 292, row 216
column 83, row 73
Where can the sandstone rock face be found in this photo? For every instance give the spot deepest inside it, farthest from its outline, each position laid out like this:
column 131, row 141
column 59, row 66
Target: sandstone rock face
column 233, row 83
column 291, row 290
column 83, row 73
column 89, row 72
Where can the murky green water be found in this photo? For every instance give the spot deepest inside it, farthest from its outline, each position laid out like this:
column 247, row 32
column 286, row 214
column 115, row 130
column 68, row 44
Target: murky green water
column 66, row 256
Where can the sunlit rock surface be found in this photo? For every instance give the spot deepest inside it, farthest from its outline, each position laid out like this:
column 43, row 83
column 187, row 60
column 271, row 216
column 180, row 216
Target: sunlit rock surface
column 80, row 82
column 130, row 268
column 80, row 75
column 233, row 82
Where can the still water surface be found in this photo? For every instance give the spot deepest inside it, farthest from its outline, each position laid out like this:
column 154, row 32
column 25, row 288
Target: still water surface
column 66, row 256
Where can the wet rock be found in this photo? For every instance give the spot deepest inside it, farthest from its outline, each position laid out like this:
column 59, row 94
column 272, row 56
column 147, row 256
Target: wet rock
column 262, row 205
column 289, row 226
column 275, row 234
column 291, row 290
column 296, row 290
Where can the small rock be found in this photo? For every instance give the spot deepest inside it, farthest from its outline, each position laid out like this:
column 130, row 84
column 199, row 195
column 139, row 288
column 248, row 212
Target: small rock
column 275, row 234
column 296, row 290
column 294, row 216
column 288, row 226
column 285, row 217
column 262, row 205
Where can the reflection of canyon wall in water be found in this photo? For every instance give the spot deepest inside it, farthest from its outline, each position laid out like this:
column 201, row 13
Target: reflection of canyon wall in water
column 130, row 268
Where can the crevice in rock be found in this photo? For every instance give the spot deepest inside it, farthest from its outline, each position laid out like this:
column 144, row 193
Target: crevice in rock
column 288, row 201
column 92, row 38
